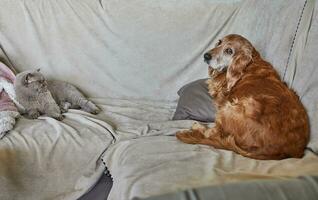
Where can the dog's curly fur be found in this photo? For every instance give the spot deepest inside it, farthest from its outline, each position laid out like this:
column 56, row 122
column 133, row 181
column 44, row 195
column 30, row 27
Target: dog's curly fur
column 258, row 116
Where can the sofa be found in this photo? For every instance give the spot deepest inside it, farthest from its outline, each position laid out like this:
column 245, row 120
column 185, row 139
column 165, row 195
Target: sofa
column 131, row 58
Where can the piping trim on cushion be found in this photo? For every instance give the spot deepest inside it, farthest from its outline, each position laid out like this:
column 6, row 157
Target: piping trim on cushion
column 294, row 38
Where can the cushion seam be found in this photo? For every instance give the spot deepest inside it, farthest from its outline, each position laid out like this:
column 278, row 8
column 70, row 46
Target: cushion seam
column 294, row 38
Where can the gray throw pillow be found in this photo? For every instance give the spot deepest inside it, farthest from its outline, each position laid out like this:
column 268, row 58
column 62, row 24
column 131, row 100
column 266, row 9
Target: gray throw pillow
column 195, row 102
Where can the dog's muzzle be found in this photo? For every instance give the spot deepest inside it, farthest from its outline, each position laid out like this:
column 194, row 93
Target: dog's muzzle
column 207, row 57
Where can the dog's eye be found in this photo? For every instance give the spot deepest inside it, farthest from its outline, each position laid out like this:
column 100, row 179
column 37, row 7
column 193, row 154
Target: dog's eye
column 228, row 51
column 219, row 43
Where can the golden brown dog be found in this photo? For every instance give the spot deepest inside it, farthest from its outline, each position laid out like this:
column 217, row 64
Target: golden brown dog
column 258, row 116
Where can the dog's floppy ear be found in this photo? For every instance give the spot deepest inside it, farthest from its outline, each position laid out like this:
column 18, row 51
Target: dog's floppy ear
column 237, row 67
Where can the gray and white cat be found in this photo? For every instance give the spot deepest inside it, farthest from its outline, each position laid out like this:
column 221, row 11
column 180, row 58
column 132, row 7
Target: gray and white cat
column 40, row 96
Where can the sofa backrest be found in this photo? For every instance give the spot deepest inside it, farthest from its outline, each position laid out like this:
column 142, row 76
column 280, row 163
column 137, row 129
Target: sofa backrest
column 302, row 71
column 138, row 49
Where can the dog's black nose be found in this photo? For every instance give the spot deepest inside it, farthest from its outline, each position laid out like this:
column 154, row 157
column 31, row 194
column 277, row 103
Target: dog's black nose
column 207, row 56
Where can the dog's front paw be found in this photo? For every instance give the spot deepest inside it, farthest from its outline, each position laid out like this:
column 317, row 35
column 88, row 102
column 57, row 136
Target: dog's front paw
column 199, row 127
column 181, row 134
column 190, row 136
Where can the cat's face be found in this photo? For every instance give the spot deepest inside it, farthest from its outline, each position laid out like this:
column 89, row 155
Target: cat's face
column 32, row 80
